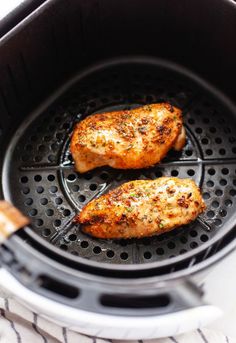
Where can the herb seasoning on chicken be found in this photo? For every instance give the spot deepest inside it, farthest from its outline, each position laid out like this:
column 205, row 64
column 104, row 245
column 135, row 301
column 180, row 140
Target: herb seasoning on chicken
column 142, row 208
column 128, row 139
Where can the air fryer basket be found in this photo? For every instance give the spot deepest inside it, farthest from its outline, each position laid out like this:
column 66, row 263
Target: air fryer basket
column 97, row 45
column 39, row 176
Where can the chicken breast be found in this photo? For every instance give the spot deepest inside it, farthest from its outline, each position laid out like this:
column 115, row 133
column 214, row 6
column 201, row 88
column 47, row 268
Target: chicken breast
column 130, row 139
column 142, row 208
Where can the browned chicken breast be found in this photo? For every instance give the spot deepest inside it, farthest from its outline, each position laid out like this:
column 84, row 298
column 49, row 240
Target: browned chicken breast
column 130, row 139
column 142, row 208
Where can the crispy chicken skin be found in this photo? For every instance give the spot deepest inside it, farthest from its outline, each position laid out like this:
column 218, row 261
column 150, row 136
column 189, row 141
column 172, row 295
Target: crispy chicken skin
column 142, row 208
column 128, row 139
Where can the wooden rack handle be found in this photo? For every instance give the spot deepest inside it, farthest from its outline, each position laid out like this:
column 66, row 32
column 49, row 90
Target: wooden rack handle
column 11, row 220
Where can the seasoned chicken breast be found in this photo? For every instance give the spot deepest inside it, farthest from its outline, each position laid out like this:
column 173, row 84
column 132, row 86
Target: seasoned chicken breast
column 142, row 208
column 129, row 139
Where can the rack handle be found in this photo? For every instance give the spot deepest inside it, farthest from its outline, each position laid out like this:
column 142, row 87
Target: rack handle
column 11, row 220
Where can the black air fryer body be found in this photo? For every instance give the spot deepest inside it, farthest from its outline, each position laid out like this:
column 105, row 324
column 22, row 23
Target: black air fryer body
column 67, row 59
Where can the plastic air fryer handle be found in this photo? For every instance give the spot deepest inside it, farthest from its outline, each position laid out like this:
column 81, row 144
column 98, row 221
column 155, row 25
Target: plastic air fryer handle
column 159, row 299
column 11, row 220
column 114, row 326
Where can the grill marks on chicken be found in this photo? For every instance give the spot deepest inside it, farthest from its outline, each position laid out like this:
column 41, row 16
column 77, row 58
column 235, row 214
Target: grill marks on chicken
column 142, row 208
column 128, row 139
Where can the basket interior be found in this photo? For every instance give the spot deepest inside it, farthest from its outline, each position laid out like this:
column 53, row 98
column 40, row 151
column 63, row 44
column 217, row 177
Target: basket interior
column 39, row 176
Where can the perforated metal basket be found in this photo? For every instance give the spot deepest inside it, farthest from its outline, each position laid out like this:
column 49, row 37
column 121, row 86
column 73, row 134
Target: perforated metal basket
column 39, row 175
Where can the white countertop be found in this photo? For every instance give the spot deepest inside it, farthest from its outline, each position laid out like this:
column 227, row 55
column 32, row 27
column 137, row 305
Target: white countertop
column 6, row 6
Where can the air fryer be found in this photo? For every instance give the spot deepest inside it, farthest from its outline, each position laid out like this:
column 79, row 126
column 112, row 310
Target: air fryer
column 68, row 59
